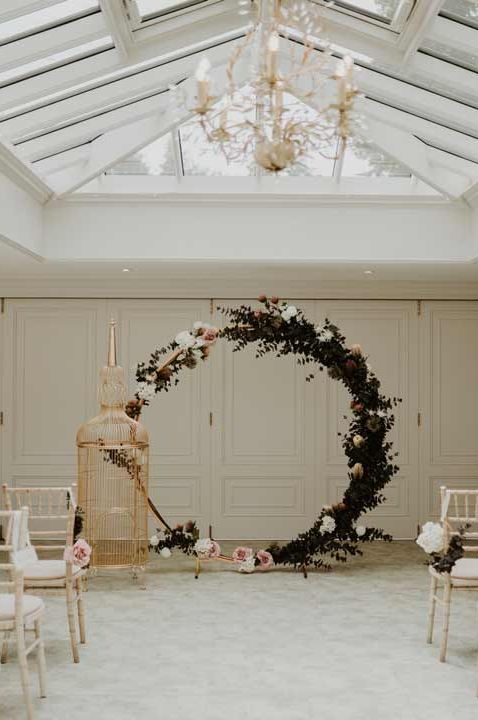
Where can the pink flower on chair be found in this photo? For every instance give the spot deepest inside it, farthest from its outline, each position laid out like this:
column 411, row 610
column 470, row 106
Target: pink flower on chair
column 242, row 553
column 78, row 554
column 266, row 560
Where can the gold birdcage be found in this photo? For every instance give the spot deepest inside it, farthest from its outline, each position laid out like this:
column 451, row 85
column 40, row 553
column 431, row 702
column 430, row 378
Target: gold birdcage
column 113, row 454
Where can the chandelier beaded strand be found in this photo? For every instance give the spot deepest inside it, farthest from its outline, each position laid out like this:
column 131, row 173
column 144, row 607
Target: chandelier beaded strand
column 282, row 329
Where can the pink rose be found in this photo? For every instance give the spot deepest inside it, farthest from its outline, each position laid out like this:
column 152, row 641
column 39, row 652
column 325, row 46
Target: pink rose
column 78, row 554
column 242, row 553
column 210, row 335
column 265, row 559
column 215, row 550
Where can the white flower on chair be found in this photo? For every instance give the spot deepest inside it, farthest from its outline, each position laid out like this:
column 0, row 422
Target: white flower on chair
column 432, row 538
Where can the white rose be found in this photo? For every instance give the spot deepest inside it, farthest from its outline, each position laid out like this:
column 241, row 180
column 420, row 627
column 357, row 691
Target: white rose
column 360, row 530
column 145, row 391
column 165, row 552
column 199, row 342
column 154, row 540
column 248, row 565
column 289, row 312
column 184, row 339
column 432, row 538
column 328, row 524
column 198, row 325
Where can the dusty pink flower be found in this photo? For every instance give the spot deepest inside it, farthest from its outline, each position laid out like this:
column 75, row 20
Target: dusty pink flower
column 215, row 550
column 242, row 553
column 210, row 335
column 266, row 560
column 78, row 554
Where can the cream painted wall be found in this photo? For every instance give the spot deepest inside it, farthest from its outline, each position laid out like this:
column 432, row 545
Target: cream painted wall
column 272, row 456
column 384, row 231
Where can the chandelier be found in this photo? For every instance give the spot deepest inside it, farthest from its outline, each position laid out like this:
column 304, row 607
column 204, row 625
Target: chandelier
column 271, row 78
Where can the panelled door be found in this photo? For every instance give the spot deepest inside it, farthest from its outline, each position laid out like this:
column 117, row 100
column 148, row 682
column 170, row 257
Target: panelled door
column 387, row 332
column 449, row 399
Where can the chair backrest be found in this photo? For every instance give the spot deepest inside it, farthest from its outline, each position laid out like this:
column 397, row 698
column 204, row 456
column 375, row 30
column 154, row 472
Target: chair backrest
column 459, row 508
column 13, row 522
column 17, row 544
column 51, row 513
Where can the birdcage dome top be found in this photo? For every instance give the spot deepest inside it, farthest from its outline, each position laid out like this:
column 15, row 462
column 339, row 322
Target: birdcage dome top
column 112, row 428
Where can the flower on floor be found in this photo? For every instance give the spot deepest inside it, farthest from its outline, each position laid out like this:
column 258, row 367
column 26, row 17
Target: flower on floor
column 154, row 540
column 432, row 538
column 207, row 549
column 242, row 553
column 360, row 530
column 248, row 565
column 328, row 524
column 165, row 552
column 266, row 561
column 79, row 554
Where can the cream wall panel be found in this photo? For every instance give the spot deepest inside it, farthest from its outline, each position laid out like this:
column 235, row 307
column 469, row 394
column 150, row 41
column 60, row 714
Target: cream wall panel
column 449, row 392
column 387, row 332
column 263, row 447
column 177, row 421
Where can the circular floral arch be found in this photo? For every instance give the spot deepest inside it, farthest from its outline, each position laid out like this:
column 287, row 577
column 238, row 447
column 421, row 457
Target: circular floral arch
column 281, row 328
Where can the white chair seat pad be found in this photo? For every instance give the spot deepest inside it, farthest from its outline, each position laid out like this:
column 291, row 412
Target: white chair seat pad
column 32, row 605
column 47, row 570
column 465, row 572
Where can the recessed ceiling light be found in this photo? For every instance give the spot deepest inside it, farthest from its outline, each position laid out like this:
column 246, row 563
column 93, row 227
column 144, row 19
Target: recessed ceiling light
column 368, row 272
column 125, row 269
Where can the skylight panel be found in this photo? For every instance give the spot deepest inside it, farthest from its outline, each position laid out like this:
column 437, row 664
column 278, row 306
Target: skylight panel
column 50, row 62
column 150, row 9
column 45, row 18
column 451, row 54
column 202, row 158
column 157, row 158
column 362, row 159
column 379, row 9
column 464, row 11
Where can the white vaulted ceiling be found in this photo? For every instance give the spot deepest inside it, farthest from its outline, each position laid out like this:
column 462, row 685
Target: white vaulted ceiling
column 84, row 83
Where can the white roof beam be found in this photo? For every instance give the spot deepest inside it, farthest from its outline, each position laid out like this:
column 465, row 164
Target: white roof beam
column 418, row 27
column 119, row 28
column 22, row 173
column 451, row 140
column 51, row 41
column 58, row 79
column 453, row 34
column 415, row 155
column 408, row 97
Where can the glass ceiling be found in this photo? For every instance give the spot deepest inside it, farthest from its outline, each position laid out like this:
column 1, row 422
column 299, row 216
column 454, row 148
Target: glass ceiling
column 198, row 157
column 64, row 82
column 383, row 10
